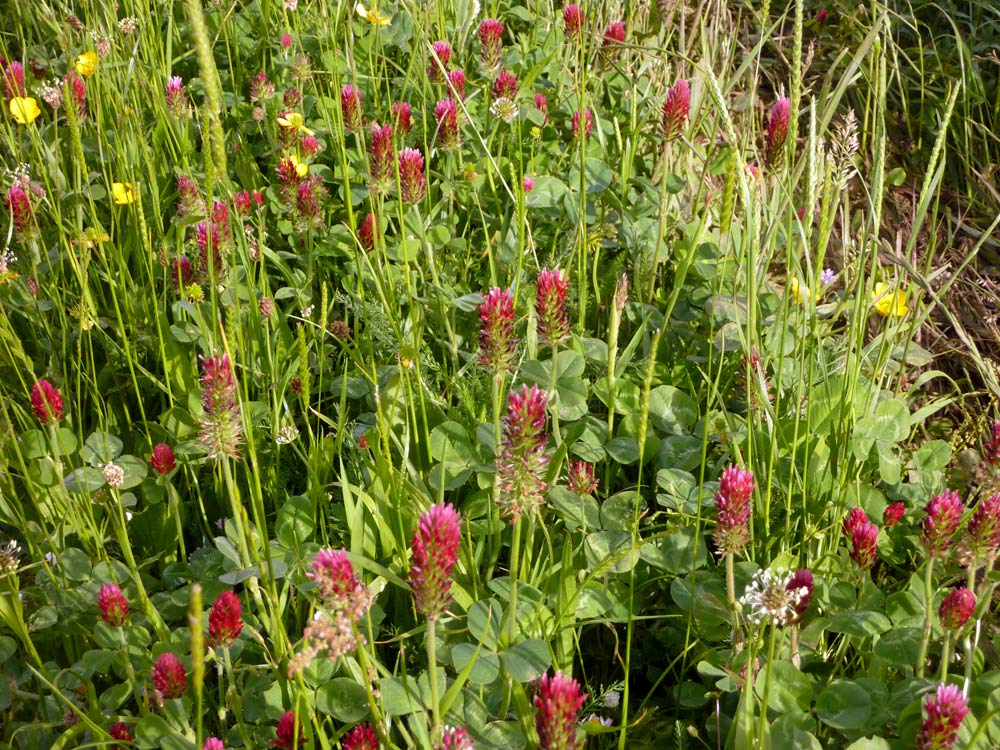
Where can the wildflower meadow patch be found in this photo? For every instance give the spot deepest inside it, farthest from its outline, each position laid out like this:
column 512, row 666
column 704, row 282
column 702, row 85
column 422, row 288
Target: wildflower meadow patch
column 495, row 375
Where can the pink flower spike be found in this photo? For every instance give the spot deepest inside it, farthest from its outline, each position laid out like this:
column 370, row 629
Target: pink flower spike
column 13, row 80
column 401, row 117
column 614, row 38
column 439, row 59
column 581, row 479
column 732, row 505
column 367, row 232
column 22, row 215
column 583, row 123
column 505, row 86
column 112, row 604
column 557, row 706
column 572, row 20
column 490, row 34
column 944, row 712
column 893, row 514
column 522, row 461
column 528, row 184
column 776, row 132
column 169, row 676
column 46, row 402
column 176, row 98
column 446, row 115
column 957, row 608
column 382, row 157
column 981, row 540
column 454, row 738
column 213, row 743
column 497, row 343
column 287, row 730
column 350, row 105
column 225, row 620
column 550, row 306
column 162, row 459
column 456, row 83
column 334, row 573
column 221, row 427
column 801, row 580
column 676, row 109
column 435, row 551
column 542, row 105
column 864, row 549
column 361, row 737
column 944, row 513
column 411, row 176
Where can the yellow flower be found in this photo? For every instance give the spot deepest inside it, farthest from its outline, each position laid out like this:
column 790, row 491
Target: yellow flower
column 24, row 109
column 86, row 64
column 91, row 237
column 888, row 303
column 371, row 16
column 301, row 168
column 294, row 121
column 799, row 291
column 123, row 193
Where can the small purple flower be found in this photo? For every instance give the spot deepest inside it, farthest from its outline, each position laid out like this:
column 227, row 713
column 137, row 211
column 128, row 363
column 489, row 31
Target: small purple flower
column 827, row 277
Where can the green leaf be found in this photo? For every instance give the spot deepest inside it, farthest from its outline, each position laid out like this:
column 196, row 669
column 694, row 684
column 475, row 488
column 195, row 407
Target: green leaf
column 547, row 193
column 84, row 480
column 113, row 698
column 679, row 452
column 75, row 564
column 576, row 512
column 869, row 743
column 296, row 521
column 34, row 444
column 399, row 699
column 526, row 660
column 671, row 410
column 486, row 668
column 861, row 623
column 343, row 699
column 611, row 551
column 623, row 450
column 100, row 448
column 484, row 622
column 96, row 661
column 675, row 183
column 899, row 647
column 679, row 552
column 787, row 688
column 596, row 173
column 8, row 647
column 65, row 442
column 153, row 732
column 843, row 705
column 794, row 731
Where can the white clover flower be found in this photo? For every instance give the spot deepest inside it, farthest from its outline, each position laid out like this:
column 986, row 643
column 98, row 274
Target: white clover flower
column 770, row 600
column 286, row 435
column 114, row 474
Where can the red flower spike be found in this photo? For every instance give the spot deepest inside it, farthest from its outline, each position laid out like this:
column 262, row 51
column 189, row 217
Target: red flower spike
column 497, row 343
column 401, row 117
column 440, row 53
column 454, row 738
column 350, row 106
column 490, row 34
column 120, row 731
column 522, row 461
column 446, row 115
column 367, row 232
column 46, row 402
column 382, row 157
column 113, row 605
column 981, row 540
column 944, row 712
column 580, row 478
column 456, row 83
column 169, row 676
column 221, row 428
column 732, row 505
column 505, row 86
column 572, row 20
column 225, row 620
column 583, row 123
column 944, row 513
column 411, row 176
column 801, row 579
column 361, row 737
column 557, row 704
column 776, row 132
column 435, row 551
column 676, row 109
column 542, row 105
column 213, row 743
column 957, row 608
column 287, row 730
column 893, row 514
column 550, row 305
column 162, row 459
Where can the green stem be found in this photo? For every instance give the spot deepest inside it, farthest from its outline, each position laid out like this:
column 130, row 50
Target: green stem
column 734, row 606
column 928, row 613
column 432, row 672
column 945, row 656
column 515, row 555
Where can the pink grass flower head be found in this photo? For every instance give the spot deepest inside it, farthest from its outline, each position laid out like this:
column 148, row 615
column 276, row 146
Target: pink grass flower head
column 261, row 89
column 46, row 402
column 120, row 731
column 497, row 343
column 957, row 608
column 490, row 34
column 893, row 514
column 863, row 536
column 287, row 40
column 22, row 215
column 557, row 706
column 446, row 115
column 13, row 80
column 162, row 459
column 991, row 450
column 309, row 145
column 184, row 273
column 169, row 676
column 776, row 132
column 542, row 105
column 522, row 461
column 580, row 478
column 402, row 117
column 350, row 106
column 287, row 730
column 944, row 712
column 412, row 182
column 225, row 620
column 382, row 157
column 505, row 86
column 583, row 123
column 221, row 427
column 821, row 16
column 112, row 604
column 732, row 506
column 572, row 20
column 367, row 232
column 855, row 517
column 802, row 581
column 456, row 84
column 676, row 109
column 242, row 203
column 455, row 738
column 944, row 513
column 981, row 540
column 528, row 184
column 176, row 97
column 189, row 197
column 361, row 737
column 550, row 305
column 335, row 577
column 213, row 743
column 435, row 551
column 614, row 38
column 439, row 58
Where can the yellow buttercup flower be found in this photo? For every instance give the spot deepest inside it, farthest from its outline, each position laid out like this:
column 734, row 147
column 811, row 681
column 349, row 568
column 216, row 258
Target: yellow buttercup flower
column 371, row 16
column 24, row 109
column 799, row 291
column 86, row 64
column 123, row 193
column 301, row 168
column 888, row 303
column 294, row 121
